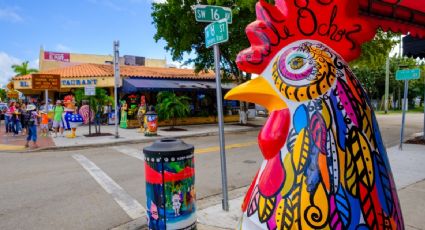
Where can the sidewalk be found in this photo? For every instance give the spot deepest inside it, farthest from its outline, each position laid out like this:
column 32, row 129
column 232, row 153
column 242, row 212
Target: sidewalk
column 9, row 143
column 409, row 174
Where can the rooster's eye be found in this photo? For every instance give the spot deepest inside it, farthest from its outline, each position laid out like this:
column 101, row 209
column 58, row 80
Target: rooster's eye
column 297, row 63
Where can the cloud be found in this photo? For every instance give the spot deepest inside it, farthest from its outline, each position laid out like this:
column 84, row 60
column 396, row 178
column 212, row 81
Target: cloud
column 158, row 1
column 6, row 62
column 108, row 3
column 62, row 48
column 10, row 14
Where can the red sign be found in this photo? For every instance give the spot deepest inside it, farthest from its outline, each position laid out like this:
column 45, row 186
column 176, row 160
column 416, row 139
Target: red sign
column 53, row 56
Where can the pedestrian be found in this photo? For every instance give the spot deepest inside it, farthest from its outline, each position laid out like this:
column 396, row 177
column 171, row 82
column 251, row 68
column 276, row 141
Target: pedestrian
column 11, row 118
column 17, row 119
column 58, row 110
column 24, row 120
column 44, row 126
column 8, row 117
column 32, row 125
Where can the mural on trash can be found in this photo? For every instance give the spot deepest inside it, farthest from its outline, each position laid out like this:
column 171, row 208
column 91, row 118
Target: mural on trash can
column 170, row 192
column 325, row 165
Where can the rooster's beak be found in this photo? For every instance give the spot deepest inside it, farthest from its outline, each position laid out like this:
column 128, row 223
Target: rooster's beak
column 257, row 91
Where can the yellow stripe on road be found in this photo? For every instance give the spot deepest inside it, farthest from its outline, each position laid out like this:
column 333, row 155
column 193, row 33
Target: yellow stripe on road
column 232, row 146
column 11, row 147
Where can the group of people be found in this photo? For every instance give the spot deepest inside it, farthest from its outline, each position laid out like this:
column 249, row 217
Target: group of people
column 23, row 119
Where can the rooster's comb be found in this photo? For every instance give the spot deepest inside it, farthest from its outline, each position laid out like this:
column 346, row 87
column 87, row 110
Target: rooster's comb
column 336, row 23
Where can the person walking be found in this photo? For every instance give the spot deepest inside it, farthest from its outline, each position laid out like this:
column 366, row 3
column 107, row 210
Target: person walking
column 24, row 120
column 32, row 126
column 17, row 119
column 44, row 126
column 58, row 110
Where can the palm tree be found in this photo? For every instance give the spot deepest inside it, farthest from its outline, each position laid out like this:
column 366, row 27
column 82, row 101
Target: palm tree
column 171, row 106
column 23, row 69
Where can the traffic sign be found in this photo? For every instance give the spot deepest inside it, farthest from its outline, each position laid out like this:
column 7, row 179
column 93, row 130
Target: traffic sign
column 89, row 90
column 208, row 13
column 408, row 74
column 216, row 32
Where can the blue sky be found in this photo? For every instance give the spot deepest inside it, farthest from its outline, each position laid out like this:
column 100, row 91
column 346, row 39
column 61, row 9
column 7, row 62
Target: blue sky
column 81, row 26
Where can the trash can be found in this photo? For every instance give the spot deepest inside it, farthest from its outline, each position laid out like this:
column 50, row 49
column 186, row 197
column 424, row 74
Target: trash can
column 170, row 185
column 151, row 123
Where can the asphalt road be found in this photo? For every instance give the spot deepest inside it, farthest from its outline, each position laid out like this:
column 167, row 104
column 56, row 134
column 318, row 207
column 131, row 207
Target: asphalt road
column 103, row 187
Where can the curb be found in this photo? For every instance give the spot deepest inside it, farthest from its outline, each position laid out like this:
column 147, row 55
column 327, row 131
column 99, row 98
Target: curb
column 214, row 199
column 125, row 142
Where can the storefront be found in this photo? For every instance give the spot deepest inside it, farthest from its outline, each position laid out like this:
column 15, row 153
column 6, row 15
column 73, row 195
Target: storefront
column 138, row 81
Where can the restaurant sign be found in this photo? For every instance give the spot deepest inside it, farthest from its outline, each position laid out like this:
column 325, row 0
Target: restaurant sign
column 46, row 81
column 54, row 56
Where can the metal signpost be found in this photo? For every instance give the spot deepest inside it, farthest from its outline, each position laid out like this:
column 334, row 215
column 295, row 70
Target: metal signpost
column 215, row 33
column 116, row 84
column 89, row 91
column 406, row 75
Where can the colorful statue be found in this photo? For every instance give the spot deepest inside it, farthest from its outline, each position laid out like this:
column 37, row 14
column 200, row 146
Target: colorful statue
column 71, row 117
column 141, row 113
column 123, row 119
column 325, row 164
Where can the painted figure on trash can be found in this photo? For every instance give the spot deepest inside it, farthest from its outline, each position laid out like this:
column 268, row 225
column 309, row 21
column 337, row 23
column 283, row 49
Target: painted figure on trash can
column 325, row 164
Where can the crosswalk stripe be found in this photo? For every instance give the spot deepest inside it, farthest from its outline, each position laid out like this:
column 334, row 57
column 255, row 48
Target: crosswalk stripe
column 130, row 205
column 132, row 152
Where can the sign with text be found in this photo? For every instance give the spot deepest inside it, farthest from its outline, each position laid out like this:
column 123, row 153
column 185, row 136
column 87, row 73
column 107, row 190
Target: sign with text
column 216, row 32
column 207, row 13
column 46, row 81
column 90, row 90
column 408, row 74
column 54, row 56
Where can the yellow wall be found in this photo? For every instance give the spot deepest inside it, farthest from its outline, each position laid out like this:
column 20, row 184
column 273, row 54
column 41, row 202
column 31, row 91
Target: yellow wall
column 155, row 62
column 90, row 58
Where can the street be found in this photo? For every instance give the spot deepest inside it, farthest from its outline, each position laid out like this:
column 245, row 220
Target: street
column 103, row 187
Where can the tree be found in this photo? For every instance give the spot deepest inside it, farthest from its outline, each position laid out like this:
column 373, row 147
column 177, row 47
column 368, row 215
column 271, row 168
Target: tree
column 23, row 69
column 3, row 95
column 171, row 106
column 175, row 23
column 99, row 100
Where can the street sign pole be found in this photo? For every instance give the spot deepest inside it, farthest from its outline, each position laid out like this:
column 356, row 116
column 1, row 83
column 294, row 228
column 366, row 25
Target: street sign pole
column 406, row 88
column 116, row 81
column 387, row 83
column 225, row 201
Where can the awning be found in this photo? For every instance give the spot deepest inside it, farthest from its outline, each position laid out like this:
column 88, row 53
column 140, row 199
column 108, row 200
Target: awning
column 413, row 47
column 134, row 84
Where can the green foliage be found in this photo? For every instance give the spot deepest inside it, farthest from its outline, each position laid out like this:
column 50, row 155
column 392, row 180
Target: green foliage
column 171, row 106
column 375, row 52
column 99, row 100
column 3, row 95
column 175, row 23
column 23, row 69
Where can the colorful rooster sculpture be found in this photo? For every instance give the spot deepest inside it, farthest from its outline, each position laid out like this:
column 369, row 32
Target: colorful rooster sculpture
column 325, row 164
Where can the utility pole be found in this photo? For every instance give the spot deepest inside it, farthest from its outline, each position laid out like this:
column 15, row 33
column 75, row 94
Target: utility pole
column 117, row 79
column 387, row 83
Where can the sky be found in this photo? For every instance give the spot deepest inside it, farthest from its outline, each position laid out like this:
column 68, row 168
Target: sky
column 77, row 26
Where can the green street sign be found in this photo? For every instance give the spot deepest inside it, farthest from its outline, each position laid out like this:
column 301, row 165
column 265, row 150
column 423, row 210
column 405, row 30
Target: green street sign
column 207, row 13
column 408, row 74
column 216, row 32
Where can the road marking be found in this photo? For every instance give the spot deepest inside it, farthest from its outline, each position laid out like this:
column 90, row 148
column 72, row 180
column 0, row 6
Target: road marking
column 131, row 206
column 217, row 148
column 11, row 147
column 132, row 152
